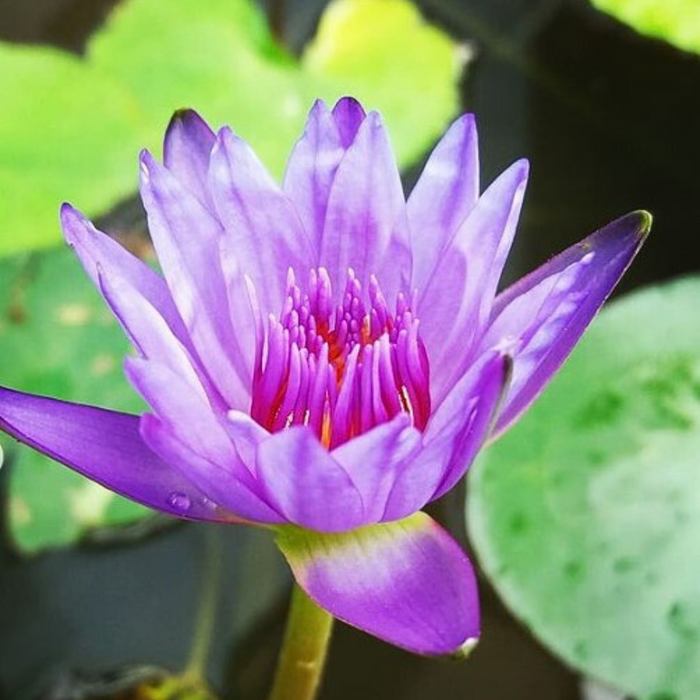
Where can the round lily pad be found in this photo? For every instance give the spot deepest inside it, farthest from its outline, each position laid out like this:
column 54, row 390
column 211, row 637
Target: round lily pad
column 586, row 515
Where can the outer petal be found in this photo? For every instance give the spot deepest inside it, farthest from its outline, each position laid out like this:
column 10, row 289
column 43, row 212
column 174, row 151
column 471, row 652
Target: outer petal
column 186, row 237
column 453, row 437
column 408, row 582
column 457, row 301
column 546, row 312
column 444, row 195
column 261, row 223
column 366, row 227
column 304, row 483
column 106, row 447
column 98, row 252
column 374, row 459
column 312, row 167
column 186, row 151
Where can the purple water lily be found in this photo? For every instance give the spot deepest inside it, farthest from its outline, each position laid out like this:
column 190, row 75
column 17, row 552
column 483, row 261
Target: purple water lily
column 326, row 358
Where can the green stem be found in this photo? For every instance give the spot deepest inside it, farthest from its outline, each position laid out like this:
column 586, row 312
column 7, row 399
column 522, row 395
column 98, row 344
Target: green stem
column 195, row 671
column 304, row 650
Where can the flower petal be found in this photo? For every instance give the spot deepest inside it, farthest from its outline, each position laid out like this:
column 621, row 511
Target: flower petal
column 407, row 582
column 444, row 195
column 312, row 167
column 547, row 311
column 98, row 251
column 261, row 223
column 457, row 301
column 186, row 237
column 221, row 485
column 366, row 227
column 453, row 437
column 104, row 446
column 186, row 152
column 349, row 115
column 304, row 483
column 373, row 460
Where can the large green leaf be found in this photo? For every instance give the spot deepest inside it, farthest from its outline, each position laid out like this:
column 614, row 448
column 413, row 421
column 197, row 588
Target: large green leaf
column 587, row 514
column 58, row 338
column 674, row 21
column 73, row 126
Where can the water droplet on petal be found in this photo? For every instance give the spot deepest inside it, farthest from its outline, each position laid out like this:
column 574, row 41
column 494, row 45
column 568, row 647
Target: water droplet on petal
column 179, row 501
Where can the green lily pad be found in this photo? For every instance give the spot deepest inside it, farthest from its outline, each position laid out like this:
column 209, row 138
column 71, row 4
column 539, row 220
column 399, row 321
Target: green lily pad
column 74, row 125
column 586, row 515
column 59, row 339
column 674, row 21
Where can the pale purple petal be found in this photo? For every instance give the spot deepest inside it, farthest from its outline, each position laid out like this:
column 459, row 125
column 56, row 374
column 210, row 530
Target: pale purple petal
column 544, row 314
column 186, row 237
column 98, row 251
column 366, row 227
column 311, row 169
column 221, row 485
column 349, row 115
column 186, row 152
column 407, row 582
column 247, row 435
column 104, row 446
column 456, row 432
column 261, row 223
column 373, row 460
column 151, row 336
column 443, row 197
column 304, row 483
column 457, row 301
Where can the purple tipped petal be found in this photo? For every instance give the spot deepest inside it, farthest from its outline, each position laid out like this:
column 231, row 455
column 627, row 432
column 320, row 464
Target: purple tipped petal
column 97, row 251
column 374, row 459
column 312, row 167
column 408, row 582
column 366, row 227
column 457, row 300
column 453, row 437
column 304, row 483
column 444, row 195
column 222, row 486
column 349, row 115
column 261, row 223
column 546, row 312
column 186, row 237
column 186, row 151
column 104, row 446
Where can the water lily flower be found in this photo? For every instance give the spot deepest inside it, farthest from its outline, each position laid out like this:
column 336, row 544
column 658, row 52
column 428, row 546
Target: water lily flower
column 326, row 357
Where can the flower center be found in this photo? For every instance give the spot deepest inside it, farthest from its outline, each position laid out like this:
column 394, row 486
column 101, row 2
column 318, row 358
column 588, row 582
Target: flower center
column 340, row 370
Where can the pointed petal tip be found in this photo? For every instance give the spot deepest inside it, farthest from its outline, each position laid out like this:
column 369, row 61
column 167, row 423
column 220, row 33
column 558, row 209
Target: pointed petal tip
column 465, row 650
column 644, row 221
column 184, row 114
column 348, row 102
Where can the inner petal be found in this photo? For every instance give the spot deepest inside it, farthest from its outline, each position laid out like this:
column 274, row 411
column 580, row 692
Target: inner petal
column 340, row 368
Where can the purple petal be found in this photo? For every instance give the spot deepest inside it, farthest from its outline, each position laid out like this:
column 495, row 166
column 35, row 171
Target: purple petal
column 373, row 460
column 457, row 300
column 407, row 582
column 456, row 432
column 304, row 483
column 261, row 224
column 186, row 237
column 186, row 152
column 238, row 495
column 151, row 335
column 546, row 312
column 104, row 446
column 443, row 197
column 349, row 115
column 366, row 227
column 312, row 167
column 97, row 251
